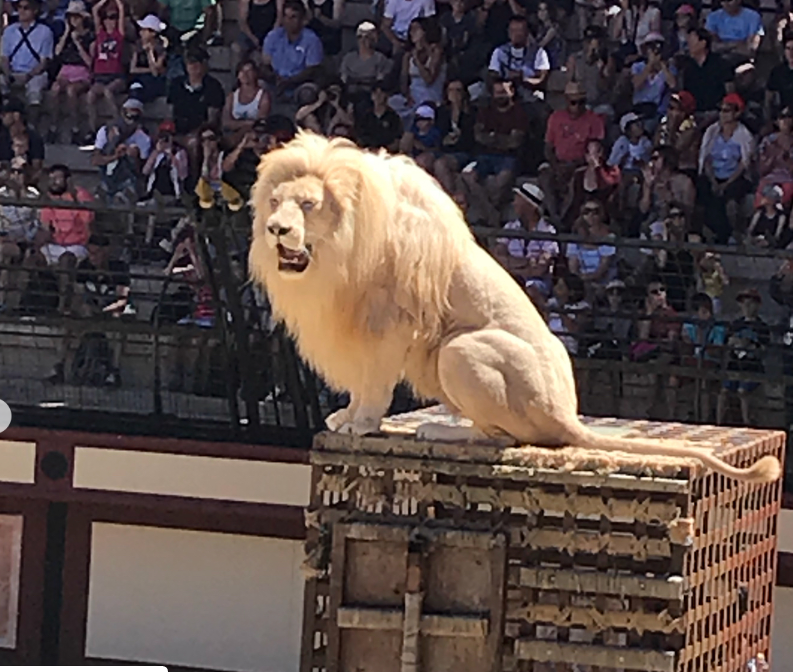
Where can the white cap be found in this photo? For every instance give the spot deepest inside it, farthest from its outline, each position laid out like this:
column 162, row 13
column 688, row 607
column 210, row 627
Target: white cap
column 652, row 37
column 133, row 104
column 425, row 112
column 151, row 22
column 628, row 119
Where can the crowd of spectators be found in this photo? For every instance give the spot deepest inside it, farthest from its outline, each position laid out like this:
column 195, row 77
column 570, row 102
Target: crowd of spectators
column 644, row 119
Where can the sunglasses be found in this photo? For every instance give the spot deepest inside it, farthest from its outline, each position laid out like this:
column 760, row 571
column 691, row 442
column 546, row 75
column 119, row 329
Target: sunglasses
column 657, row 292
column 576, row 102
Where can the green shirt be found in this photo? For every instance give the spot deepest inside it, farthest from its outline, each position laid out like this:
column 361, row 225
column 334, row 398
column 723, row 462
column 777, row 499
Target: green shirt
column 187, row 14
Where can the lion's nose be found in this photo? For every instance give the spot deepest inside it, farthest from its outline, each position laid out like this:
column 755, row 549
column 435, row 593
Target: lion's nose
column 278, row 229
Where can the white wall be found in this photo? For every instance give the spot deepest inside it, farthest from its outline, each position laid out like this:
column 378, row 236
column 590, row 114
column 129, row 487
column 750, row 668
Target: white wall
column 224, row 601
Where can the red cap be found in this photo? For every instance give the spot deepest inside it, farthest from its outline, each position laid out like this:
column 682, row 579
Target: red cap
column 686, row 100
column 167, row 126
column 734, row 99
column 686, row 9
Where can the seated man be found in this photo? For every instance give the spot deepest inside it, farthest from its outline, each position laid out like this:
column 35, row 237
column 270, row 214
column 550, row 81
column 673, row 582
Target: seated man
column 27, row 47
column 120, row 149
column 292, row 53
column 104, row 292
column 362, row 68
column 196, row 99
column 20, row 231
column 521, row 60
column 736, row 30
column 67, row 233
column 499, row 131
column 566, row 138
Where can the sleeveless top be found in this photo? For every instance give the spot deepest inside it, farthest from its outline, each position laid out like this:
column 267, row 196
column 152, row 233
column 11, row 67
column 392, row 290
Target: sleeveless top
column 261, row 18
column 245, row 111
column 420, row 91
column 107, row 59
column 330, row 37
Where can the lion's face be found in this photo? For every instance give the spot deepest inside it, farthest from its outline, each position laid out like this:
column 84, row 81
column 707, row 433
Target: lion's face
column 300, row 220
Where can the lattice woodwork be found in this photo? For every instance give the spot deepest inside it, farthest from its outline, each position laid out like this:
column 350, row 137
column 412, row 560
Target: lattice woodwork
column 596, row 561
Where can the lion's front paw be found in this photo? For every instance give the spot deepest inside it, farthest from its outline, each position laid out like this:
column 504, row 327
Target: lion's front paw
column 337, row 419
column 360, row 427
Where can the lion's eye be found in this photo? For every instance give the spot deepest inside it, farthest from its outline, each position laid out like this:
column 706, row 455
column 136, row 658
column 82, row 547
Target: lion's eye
column 307, row 206
column 273, row 203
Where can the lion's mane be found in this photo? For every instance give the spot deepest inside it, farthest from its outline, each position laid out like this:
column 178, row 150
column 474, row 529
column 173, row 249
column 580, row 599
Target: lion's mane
column 398, row 241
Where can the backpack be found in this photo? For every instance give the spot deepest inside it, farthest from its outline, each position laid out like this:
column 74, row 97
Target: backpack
column 93, row 361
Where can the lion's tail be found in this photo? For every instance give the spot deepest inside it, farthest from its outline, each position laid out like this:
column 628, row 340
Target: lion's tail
column 766, row 470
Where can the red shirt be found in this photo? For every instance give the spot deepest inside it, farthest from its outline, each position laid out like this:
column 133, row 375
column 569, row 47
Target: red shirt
column 107, row 59
column 69, row 227
column 569, row 136
column 514, row 118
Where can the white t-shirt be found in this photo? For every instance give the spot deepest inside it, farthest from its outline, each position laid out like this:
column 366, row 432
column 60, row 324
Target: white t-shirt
column 404, row 11
column 530, row 249
column 139, row 139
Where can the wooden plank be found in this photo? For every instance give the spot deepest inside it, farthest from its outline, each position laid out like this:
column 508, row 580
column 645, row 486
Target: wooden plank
column 596, row 656
column 309, row 622
column 432, row 625
column 600, row 583
column 592, row 542
column 595, row 620
column 617, row 481
column 367, row 618
column 336, row 591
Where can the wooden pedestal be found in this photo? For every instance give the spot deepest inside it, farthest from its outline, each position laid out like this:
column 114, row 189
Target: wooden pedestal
column 430, row 557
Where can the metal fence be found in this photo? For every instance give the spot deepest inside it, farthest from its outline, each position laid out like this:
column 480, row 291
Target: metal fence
column 240, row 377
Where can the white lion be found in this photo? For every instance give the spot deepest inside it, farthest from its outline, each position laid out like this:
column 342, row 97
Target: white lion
column 374, row 271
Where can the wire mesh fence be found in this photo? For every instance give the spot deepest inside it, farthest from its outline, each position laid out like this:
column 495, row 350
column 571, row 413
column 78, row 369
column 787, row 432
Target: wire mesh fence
column 156, row 320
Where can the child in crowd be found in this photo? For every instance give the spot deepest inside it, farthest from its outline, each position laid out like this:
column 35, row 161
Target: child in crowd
column 768, row 227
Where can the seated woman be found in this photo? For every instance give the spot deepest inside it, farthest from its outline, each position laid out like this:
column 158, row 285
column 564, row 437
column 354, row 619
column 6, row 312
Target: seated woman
column 775, row 159
column 594, row 181
column 663, row 184
column 423, row 71
column 725, row 160
column 245, row 104
column 593, row 260
column 74, row 77
column 456, row 121
column 108, row 74
column 653, row 80
column 148, row 64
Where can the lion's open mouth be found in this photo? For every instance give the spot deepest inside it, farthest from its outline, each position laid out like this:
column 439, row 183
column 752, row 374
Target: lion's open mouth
column 293, row 261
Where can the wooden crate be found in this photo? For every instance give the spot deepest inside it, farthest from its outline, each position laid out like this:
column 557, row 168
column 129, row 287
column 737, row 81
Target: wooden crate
column 430, row 557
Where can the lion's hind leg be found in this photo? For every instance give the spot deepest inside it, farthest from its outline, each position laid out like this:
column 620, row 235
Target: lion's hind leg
column 503, row 385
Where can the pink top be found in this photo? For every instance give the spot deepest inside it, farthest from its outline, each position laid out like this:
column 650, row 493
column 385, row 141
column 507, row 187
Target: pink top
column 69, row 227
column 107, row 59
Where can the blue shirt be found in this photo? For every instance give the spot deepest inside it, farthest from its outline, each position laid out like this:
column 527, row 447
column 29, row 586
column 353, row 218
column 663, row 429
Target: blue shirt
column 289, row 59
column 654, row 89
column 739, row 28
column 725, row 155
column 41, row 40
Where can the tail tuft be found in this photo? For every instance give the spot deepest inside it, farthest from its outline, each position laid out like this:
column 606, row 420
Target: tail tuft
column 766, row 470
